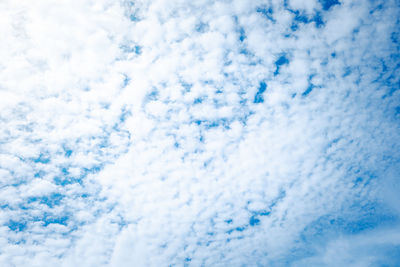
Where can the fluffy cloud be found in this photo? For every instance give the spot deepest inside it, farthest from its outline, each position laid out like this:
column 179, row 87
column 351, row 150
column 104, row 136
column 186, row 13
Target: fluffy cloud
column 229, row 133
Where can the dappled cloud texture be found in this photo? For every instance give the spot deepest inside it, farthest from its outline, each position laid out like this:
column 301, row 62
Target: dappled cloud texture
column 199, row 133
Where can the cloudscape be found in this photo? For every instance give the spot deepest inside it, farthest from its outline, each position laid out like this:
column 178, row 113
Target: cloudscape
column 199, row 133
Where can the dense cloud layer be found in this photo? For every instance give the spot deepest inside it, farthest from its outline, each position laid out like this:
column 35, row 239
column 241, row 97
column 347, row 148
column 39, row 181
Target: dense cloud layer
column 199, row 133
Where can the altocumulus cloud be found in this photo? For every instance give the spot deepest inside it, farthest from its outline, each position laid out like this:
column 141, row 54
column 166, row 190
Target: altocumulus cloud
column 199, row 133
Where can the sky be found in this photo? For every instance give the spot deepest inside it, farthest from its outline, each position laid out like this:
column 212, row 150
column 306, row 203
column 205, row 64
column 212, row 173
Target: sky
column 199, row 133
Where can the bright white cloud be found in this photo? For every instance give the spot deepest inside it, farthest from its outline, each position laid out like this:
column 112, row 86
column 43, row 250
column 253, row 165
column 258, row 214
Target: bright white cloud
column 228, row 133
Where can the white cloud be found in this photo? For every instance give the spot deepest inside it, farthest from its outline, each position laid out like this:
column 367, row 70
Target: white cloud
column 368, row 249
column 139, row 133
column 308, row 6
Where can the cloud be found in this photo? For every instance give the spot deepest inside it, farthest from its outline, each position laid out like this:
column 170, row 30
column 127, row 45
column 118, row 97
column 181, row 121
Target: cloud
column 242, row 133
column 374, row 248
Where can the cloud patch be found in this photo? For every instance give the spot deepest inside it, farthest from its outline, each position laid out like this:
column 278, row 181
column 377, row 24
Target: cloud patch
column 238, row 133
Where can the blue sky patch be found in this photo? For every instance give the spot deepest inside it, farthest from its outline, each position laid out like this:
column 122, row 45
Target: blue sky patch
column 254, row 221
column 259, row 98
column 328, row 4
column 267, row 12
column 282, row 60
column 16, row 226
column 42, row 159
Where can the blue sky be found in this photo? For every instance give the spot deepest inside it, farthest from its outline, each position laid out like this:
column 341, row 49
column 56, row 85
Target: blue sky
column 200, row 133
